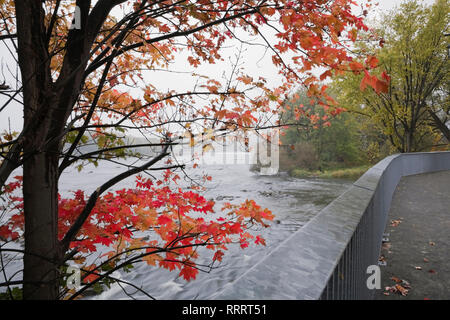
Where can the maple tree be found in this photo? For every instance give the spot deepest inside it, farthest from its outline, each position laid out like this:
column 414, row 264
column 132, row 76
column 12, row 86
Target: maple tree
column 76, row 90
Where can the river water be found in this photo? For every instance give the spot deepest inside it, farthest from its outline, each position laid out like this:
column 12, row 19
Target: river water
column 293, row 201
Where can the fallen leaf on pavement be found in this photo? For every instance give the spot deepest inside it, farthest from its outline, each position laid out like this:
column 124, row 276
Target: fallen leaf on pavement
column 402, row 290
column 395, row 223
column 405, row 284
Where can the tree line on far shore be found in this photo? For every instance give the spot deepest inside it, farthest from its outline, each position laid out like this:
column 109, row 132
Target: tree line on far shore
column 412, row 116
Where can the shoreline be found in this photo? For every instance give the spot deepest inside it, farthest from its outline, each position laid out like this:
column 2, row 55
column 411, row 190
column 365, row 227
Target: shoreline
column 351, row 173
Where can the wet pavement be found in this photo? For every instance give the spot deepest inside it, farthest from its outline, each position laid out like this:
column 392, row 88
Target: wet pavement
column 417, row 253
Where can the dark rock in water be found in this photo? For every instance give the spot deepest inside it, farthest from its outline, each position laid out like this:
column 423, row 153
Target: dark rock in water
column 220, row 198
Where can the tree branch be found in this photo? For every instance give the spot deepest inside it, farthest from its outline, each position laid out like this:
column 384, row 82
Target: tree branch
column 70, row 235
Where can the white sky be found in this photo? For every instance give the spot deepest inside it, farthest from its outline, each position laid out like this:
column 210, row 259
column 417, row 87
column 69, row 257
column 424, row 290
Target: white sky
column 12, row 116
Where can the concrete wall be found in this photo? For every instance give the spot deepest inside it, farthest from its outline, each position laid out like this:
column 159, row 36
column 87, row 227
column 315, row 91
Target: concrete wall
column 328, row 257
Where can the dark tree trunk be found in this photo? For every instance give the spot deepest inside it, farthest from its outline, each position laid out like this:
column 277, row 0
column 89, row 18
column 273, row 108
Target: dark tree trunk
column 47, row 106
column 41, row 227
column 40, row 158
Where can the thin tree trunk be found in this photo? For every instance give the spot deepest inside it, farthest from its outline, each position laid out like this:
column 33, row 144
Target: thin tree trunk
column 409, row 141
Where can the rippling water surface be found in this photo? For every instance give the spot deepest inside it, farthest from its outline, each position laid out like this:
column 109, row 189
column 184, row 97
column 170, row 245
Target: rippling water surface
column 293, row 201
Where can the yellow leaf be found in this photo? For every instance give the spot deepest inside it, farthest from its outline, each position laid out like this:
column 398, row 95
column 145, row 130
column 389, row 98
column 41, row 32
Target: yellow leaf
column 152, row 258
column 207, row 147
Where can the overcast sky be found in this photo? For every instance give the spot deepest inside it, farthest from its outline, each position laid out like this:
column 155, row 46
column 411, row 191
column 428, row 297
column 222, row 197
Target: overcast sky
column 13, row 114
column 385, row 5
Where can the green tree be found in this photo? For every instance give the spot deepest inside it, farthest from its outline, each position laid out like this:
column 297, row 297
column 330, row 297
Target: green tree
column 413, row 114
column 323, row 138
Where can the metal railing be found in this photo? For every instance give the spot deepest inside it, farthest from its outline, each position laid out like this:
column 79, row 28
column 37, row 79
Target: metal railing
column 328, row 257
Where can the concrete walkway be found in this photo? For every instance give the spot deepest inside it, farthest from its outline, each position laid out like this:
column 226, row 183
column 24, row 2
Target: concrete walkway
column 418, row 251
